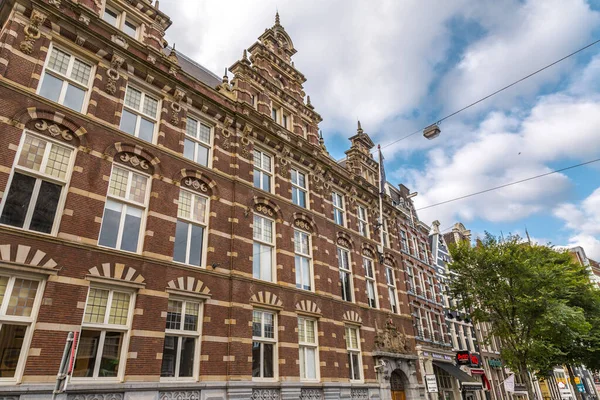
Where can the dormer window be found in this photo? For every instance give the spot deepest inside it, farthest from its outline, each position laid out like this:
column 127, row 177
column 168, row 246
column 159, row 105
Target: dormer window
column 120, row 20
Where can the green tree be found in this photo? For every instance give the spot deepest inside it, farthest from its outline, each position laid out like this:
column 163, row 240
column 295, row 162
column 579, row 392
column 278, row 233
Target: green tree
column 537, row 300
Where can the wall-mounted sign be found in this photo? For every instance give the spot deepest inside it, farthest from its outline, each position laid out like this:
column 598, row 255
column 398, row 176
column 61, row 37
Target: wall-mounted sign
column 495, row 363
column 432, row 386
column 463, row 358
column 475, row 360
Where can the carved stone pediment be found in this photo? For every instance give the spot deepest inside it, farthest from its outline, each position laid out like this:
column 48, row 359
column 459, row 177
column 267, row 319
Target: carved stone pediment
column 390, row 339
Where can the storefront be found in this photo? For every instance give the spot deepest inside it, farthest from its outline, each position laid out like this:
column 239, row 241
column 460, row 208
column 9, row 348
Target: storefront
column 470, row 387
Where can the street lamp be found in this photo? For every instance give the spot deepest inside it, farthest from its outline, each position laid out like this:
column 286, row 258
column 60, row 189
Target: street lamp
column 432, row 131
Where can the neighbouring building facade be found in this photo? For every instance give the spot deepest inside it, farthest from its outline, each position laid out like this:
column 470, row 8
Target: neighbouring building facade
column 194, row 232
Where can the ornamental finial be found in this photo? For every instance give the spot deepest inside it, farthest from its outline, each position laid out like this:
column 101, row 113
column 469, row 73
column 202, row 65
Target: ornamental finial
column 277, row 22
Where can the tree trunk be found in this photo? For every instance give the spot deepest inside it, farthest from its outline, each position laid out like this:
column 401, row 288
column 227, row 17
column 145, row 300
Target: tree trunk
column 578, row 395
column 528, row 383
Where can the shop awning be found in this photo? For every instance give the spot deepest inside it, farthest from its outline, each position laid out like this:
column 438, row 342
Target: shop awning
column 464, row 378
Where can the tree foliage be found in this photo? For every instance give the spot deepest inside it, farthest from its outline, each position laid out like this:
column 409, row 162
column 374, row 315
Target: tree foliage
column 537, row 300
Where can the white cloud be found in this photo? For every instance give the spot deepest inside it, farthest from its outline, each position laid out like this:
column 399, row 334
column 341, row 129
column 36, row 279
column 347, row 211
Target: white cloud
column 583, row 221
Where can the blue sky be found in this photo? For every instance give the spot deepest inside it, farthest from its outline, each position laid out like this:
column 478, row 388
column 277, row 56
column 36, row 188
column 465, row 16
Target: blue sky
column 400, row 65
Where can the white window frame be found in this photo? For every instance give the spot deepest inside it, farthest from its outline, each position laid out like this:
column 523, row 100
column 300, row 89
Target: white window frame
column 390, row 278
column 67, row 79
column 139, row 114
column 386, row 235
column 180, row 333
column 368, row 264
column 197, row 142
column 127, row 203
column 338, row 202
column 351, row 350
column 415, row 246
column 104, row 327
column 348, row 271
column 308, row 256
column 363, row 221
column 273, row 341
column 122, row 17
column 20, row 320
column 271, row 244
column 263, row 171
column 410, row 272
column 40, row 176
column 296, row 186
column 191, row 222
column 304, row 345
column 404, row 241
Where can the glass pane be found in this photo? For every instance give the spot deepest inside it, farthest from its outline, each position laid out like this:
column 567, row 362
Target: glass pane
column 58, row 161
column 11, row 343
column 87, row 350
column 59, row 61
column 110, row 17
column 32, row 153
column 302, row 363
column 169, row 357
column 128, row 121
column 42, row 219
column 268, row 356
column 119, row 309
column 266, row 270
column 22, row 297
column 310, row 331
column 257, row 228
column 130, row 29
column 256, row 359
column 95, row 309
column 133, row 98
column 256, row 260
column 301, row 199
column 188, row 149
column 196, row 242
column 204, row 134
column 257, row 178
column 137, row 191
column 202, row 158
column 257, row 158
column 199, row 208
column 131, row 229
column 301, row 330
column 269, row 325
column 146, row 130
column 191, row 128
column 118, row 182
column 355, row 370
column 81, row 72
column 17, row 200
column 109, row 363
column 301, row 180
column 74, row 98
column 257, row 323
column 266, row 162
column 266, row 182
column 186, row 362
column 192, row 311
column 150, row 106
column 3, row 284
column 185, row 204
column 181, row 238
column 51, row 87
column 110, row 224
column 174, row 315
column 310, row 364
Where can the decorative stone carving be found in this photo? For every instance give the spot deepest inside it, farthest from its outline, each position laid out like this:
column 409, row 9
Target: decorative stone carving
column 120, row 40
column 264, row 209
column 390, row 339
column 367, row 252
column 180, row 395
column 343, row 242
column 359, row 394
column 54, row 130
column 84, row 18
column 284, row 162
column 112, row 74
column 195, row 184
column 80, row 40
column 311, row 394
column 96, row 396
column 176, row 106
column 302, row 224
column 32, row 31
column 151, row 59
column 134, row 160
column 265, row 394
column 246, row 142
column 55, row 2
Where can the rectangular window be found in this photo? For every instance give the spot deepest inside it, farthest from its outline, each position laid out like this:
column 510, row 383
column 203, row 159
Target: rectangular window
column 386, row 236
column 197, row 143
column 264, row 344
column 423, row 252
column 309, row 350
column 284, row 121
column 299, row 188
column 263, row 170
column 121, row 21
column 363, row 221
column 410, row 282
column 371, row 283
column 303, row 261
column 339, row 213
column 275, row 114
column 404, row 241
column 140, row 114
column 354, row 356
column 415, row 247
column 181, row 339
column 66, row 79
column 264, row 246
column 124, row 210
column 40, row 173
column 190, row 230
column 102, row 341
column 345, row 273
column 391, row 284
column 19, row 298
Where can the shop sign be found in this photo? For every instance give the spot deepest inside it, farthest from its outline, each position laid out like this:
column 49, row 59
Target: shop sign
column 495, row 363
column 432, row 386
column 475, row 360
column 438, row 356
column 579, row 384
column 463, row 358
column 520, row 387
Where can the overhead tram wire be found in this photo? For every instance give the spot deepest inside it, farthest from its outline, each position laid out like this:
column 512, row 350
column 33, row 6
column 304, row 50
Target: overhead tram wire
column 494, row 93
column 508, row 184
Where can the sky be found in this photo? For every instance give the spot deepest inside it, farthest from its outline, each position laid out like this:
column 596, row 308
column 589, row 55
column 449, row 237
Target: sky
column 398, row 66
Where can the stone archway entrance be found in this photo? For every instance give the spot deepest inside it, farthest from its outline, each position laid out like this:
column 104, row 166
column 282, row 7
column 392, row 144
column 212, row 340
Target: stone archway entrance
column 397, row 385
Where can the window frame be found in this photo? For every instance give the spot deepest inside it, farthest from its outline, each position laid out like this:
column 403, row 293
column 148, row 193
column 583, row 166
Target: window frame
column 191, row 222
column 368, row 262
column 315, row 346
column 340, row 209
column 184, row 333
column 261, row 170
column 363, row 223
column 67, row 79
column 122, row 17
column 272, row 245
column 29, row 322
column 197, row 142
column 308, row 256
column 356, row 350
column 390, row 274
column 299, row 188
column 39, row 176
column 405, row 247
column 105, row 327
column 127, row 203
column 347, row 271
column 386, row 234
column 139, row 114
column 274, row 341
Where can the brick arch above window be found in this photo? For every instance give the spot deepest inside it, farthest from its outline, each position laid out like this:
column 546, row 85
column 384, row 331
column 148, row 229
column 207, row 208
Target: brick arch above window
column 189, row 284
column 266, row 207
column 118, row 272
column 266, row 299
column 353, row 317
column 25, row 255
column 53, row 123
column 389, row 260
column 133, row 154
column 305, row 222
column 198, row 181
column 308, row 307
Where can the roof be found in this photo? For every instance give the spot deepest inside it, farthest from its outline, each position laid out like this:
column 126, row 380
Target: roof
column 595, row 266
column 196, row 70
column 449, row 238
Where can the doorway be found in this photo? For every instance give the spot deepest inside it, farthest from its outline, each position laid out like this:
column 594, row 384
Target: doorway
column 397, row 382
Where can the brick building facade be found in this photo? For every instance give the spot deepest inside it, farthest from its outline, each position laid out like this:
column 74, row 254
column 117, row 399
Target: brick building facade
column 194, row 231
